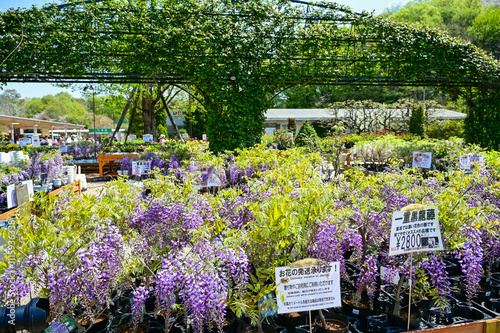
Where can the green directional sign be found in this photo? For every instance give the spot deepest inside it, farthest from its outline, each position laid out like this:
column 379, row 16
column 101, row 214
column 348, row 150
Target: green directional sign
column 100, row 131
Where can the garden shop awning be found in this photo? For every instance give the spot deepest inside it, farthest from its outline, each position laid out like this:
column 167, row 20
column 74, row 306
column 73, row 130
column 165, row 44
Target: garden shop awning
column 324, row 114
column 6, row 122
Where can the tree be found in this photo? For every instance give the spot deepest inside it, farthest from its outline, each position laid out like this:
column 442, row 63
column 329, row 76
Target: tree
column 485, row 30
column 417, row 121
column 11, row 103
column 307, row 137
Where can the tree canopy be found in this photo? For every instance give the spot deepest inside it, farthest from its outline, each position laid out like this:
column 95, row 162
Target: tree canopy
column 236, row 54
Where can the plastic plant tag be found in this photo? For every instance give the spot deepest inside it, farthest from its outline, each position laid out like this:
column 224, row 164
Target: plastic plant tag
column 267, row 305
column 415, row 231
column 64, row 325
column 35, row 141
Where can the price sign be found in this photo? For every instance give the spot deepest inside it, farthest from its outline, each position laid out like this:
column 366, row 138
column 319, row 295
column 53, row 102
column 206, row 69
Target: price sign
column 63, row 149
column 24, row 141
column 476, row 158
column 132, row 137
column 139, row 168
column 147, row 137
column 422, row 160
column 35, row 141
column 415, row 231
column 308, row 288
column 204, row 136
column 185, row 136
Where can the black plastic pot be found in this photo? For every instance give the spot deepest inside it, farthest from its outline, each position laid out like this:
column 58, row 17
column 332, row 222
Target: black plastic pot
column 253, row 329
column 290, row 321
column 401, row 321
column 31, row 317
column 98, row 326
column 337, row 319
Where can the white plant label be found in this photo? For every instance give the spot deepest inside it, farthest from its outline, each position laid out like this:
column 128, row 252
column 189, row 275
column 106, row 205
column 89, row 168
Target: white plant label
column 132, row 137
column 11, row 193
column 147, row 137
column 213, row 180
column 415, row 231
column 24, row 141
column 204, row 137
column 185, row 136
column 308, row 288
column 139, row 168
column 422, row 160
column 464, row 162
column 476, row 158
column 63, row 149
column 35, row 141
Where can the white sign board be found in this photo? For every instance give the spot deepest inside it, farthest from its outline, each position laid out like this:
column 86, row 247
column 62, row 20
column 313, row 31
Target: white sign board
column 415, row 231
column 11, row 193
column 422, row 160
column 464, row 162
column 185, row 136
column 132, row 137
column 476, row 158
column 204, row 137
column 147, row 137
column 308, row 288
column 35, row 141
column 139, row 168
column 24, row 141
column 213, row 180
column 63, row 149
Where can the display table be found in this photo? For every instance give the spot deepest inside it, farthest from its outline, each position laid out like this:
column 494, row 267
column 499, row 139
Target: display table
column 103, row 159
column 75, row 188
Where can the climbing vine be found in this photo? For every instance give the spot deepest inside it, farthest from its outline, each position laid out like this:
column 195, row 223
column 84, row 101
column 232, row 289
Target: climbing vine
column 236, row 54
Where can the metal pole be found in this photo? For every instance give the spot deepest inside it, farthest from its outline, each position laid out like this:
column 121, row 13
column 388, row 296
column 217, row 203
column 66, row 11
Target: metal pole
column 12, row 133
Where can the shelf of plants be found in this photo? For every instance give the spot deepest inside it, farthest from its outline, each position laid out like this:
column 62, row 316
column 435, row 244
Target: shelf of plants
column 158, row 255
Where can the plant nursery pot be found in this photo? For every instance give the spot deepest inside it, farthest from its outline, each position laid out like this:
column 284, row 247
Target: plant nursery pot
column 401, row 321
column 335, row 322
column 255, row 329
column 129, row 328
column 228, row 327
column 291, row 320
column 350, row 310
column 99, row 325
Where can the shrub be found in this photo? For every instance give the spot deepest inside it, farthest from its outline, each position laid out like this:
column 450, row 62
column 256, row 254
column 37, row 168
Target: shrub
column 307, row 137
column 417, row 120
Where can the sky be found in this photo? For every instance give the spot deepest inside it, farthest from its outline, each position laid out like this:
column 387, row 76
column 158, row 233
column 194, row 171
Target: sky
column 30, row 90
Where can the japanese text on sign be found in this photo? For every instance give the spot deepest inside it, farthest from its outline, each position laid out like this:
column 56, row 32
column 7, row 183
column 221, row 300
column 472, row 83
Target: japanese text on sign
column 139, row 168
column 415, row 231
column 308, row 288
column 422, row 160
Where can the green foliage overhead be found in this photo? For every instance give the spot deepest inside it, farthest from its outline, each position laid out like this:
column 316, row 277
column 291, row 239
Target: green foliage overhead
column 236, row 54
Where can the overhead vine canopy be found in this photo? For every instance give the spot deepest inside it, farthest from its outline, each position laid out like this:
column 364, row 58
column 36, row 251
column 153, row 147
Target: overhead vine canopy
column 236, row 53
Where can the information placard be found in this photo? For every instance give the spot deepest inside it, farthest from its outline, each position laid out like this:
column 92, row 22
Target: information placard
column 415, row 231
column 63, row 149
column 147, row 137
column 11, row 192
column 132, row 137
column 464, row 162
column 35, row 141
column 308, row 288
column 213, row 180
column 422, row 160
column 139, row 168
column 24, row 141
column 476, row 158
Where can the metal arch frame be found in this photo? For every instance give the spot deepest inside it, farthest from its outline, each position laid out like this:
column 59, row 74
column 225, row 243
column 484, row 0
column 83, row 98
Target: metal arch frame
column 175, row 79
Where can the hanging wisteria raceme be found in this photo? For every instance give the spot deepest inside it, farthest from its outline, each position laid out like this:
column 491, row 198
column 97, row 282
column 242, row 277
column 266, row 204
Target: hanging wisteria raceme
column 471, row 258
